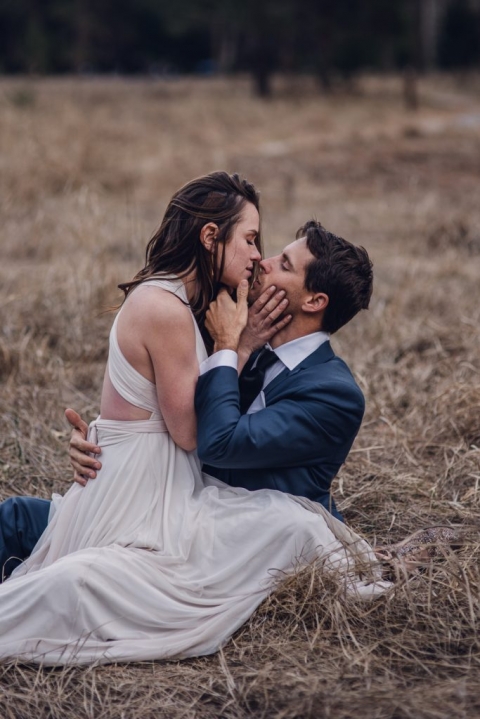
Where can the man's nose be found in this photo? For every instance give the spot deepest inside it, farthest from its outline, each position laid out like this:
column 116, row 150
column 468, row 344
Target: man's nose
column 265, row 265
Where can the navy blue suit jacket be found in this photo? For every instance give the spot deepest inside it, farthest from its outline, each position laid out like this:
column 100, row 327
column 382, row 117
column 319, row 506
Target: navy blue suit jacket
column 297, row 443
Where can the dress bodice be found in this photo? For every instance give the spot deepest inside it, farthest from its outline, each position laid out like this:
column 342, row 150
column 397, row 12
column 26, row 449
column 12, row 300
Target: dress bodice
column 128, row 382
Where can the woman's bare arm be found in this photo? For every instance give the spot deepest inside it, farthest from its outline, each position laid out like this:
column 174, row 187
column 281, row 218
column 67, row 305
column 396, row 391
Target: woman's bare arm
column 168, row 335
column 170, row 342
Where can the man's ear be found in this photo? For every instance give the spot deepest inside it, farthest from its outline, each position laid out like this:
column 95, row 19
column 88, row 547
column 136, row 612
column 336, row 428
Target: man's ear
column 315, row 303
column 208, row 236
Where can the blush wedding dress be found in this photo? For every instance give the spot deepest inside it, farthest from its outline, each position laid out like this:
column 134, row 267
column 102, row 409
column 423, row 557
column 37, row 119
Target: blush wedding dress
column 154, row 559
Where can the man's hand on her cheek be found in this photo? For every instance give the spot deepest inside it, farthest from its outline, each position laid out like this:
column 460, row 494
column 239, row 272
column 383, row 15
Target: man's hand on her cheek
column 265, row 319
column 226, row 319
column 84, row 465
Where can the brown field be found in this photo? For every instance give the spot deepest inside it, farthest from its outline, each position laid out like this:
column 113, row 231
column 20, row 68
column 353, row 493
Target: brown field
column 87, row 167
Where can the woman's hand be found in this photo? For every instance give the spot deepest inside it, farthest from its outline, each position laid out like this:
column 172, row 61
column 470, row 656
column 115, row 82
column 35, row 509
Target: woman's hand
column 263, row 322
column 225, row 319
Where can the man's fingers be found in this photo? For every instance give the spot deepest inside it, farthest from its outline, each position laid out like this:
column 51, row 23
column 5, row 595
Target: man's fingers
column 77, row 441
column 79, row 479
column 277, row 327
column 280, row 324
column 85, row 448
column 274, row 302
column 84, row 463
column 85, row 466
column 277, row 311
column 76, row 421
column 261, row 301
column 83, row 473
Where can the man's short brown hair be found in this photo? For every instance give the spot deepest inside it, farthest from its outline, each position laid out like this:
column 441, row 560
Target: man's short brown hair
column 340, row 270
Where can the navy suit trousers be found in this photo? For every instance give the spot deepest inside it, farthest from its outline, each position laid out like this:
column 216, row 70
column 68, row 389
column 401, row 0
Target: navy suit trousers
column 22, row 522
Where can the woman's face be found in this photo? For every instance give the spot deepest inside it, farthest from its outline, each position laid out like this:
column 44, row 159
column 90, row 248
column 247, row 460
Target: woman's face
column 240, row 251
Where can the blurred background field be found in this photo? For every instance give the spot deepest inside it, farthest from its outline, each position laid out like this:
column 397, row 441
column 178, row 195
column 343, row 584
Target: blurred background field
column 87, row 167
column 365, row 115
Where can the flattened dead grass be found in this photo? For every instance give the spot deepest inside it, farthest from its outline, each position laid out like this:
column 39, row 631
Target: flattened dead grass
column 86, row 170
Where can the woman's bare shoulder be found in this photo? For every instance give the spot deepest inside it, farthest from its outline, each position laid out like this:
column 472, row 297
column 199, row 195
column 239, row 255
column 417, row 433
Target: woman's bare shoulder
column 149, row 305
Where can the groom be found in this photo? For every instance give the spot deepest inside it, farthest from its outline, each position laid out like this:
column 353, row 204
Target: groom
column 290, row 420
column 303, row 407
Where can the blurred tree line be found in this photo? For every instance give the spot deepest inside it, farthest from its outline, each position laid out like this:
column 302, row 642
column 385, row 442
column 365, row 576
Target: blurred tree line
column 332, row 39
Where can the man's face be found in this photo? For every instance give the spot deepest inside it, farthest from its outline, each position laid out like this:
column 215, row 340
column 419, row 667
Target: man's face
column 287, row 272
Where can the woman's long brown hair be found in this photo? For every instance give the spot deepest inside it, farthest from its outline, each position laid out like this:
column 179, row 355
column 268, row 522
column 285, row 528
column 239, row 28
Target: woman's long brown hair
column 175, row 248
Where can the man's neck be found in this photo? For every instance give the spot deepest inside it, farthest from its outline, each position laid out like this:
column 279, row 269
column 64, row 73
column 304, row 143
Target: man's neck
column 292, row 332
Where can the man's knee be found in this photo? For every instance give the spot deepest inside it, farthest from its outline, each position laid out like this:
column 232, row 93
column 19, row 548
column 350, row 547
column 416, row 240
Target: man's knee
column 22, row 522
column 9, row 519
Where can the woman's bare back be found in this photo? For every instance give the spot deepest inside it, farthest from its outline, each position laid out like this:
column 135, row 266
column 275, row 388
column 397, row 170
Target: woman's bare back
column 156, row 336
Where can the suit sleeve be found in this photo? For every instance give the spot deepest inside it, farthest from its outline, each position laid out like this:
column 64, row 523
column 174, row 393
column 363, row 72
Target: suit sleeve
column 308, row 426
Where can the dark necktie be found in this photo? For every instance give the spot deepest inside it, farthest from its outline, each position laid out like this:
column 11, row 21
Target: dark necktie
column 251, row 380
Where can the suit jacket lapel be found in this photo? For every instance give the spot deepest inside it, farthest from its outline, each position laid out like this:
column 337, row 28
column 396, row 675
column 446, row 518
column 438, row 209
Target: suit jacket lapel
column 323, row 354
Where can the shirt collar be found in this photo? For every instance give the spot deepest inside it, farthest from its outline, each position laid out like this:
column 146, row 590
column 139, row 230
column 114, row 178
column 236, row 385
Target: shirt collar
column 293, row 352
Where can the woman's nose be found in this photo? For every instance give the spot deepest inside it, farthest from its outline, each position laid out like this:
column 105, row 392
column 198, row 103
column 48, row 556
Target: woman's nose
column 256, row 255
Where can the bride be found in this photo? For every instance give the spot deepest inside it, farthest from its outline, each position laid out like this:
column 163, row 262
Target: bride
column 154, row 559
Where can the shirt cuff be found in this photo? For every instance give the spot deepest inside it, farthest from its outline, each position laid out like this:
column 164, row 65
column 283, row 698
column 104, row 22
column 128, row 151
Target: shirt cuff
column 223, row 358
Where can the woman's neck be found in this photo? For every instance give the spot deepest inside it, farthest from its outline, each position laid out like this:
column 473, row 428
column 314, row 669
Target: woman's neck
column 190, row 282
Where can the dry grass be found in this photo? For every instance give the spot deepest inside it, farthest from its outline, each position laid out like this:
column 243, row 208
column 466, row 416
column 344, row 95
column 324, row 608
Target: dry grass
column 86, row 168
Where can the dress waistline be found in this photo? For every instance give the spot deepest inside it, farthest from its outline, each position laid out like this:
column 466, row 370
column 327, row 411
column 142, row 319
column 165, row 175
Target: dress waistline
column 121, row 427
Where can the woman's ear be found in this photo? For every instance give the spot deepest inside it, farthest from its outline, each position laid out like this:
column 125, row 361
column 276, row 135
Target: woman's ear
column 208, row 236
column 315, row 303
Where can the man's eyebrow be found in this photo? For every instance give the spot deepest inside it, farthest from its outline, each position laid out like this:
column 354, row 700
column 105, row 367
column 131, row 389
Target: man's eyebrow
column 285, row 257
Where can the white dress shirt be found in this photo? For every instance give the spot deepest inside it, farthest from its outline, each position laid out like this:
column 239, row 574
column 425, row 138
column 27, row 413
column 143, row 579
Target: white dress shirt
column 289, row 355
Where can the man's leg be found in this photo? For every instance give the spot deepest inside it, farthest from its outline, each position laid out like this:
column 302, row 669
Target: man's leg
column 22, row 522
